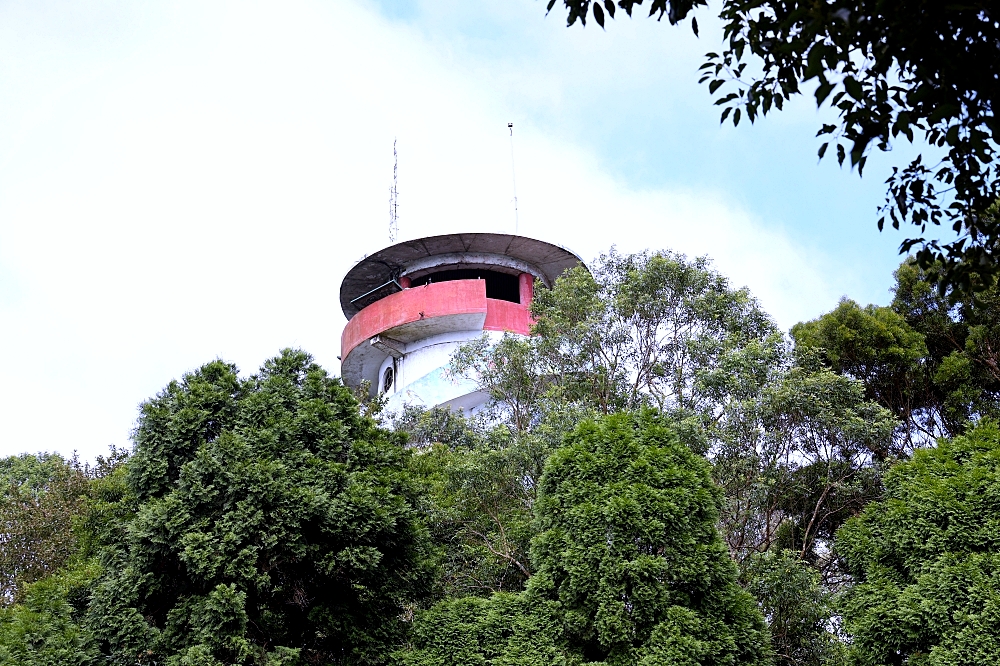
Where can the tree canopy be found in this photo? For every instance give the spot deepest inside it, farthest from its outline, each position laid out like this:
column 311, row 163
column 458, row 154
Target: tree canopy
column 662, row 478
column 629, row 567
column 272, row 523
column 795, row 447
column 648, row 329
column 930, row 357
column 926, row 559
column 39, row 497
column 917, row 70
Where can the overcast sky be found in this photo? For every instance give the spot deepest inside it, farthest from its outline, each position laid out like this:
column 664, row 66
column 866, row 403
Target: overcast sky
column 189, row 180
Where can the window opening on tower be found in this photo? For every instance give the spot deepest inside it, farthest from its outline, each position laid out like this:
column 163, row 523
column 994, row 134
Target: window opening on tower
column 500, row 286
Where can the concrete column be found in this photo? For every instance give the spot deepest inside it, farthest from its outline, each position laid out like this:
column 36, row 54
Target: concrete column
column 526, row 282
column 404, row 282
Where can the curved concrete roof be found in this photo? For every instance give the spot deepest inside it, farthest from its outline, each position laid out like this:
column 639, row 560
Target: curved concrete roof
column 414, row 258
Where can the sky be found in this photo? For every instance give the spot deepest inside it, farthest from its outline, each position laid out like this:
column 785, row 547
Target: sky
column 189, row 180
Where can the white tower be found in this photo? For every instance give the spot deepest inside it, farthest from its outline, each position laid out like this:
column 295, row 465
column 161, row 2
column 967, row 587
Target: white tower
column 410, row 305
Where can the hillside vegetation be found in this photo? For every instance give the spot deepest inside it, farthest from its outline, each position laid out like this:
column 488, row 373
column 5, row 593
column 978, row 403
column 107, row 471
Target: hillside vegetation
column 661, row 476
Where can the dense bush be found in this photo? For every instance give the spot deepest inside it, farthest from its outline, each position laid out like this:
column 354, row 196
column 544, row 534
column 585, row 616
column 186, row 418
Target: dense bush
column 45, row 628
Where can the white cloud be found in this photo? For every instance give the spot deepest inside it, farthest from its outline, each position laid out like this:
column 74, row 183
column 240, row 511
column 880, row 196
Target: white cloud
column 186, row 181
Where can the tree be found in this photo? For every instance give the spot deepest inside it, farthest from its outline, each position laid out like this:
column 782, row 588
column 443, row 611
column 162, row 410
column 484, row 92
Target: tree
column 931, row 357
column 649, row 329
column 62, row 514
column 39, row 498
column 629, row 567
column 481, row 484
column 45, row 628
column 437, row 425
column 793, row 447
column 274, row 524
column 797, row 608
column 916, row 70
column 962, row 334
column 876, row 346
column 813, row 463
column 487, row 496
column 511, row 373
column 926, row 559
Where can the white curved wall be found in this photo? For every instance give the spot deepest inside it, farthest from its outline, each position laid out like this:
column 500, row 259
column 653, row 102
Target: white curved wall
column 422, row 375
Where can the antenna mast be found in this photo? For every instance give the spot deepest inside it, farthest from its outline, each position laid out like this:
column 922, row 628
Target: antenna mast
column 394, row 198
column 513, row 178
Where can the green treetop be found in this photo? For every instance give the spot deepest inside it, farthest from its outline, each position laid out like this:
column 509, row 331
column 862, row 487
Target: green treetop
column 39, row 497
column 629, row 566
column 274, row 524
column 932, row 357
column 926, row 559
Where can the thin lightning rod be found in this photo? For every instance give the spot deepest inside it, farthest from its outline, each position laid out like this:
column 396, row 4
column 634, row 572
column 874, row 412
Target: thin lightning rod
column 394, row 198
column 513, row 177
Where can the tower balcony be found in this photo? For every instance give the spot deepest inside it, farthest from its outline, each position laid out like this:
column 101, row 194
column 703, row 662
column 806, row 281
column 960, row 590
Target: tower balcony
column 434, row 312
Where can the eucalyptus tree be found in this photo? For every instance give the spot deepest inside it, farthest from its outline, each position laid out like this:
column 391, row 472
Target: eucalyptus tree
column 649, row 329
column 814, row 463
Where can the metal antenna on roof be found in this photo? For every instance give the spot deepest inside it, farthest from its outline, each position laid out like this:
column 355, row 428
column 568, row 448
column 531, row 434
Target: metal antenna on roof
column 513, row 178
column 394, row 198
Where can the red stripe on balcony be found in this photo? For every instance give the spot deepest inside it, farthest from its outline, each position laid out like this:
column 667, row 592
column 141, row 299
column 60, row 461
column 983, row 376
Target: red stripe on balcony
column 426, row 302
column 507, row 316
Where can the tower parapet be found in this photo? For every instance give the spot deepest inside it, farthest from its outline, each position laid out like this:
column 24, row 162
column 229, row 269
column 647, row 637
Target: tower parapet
column 411, row 305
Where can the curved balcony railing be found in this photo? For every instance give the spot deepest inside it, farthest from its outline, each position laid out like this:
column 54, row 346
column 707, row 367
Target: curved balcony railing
column 440, row 299
column 507, row 316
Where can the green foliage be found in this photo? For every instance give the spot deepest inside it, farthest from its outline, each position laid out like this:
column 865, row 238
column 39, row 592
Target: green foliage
column 108, row 507
column 33, row 474
column 811, row 465
column 629, row 567
column 874, row 345
column 794, row 447
column 962, row 333
column 890, row 70
column 507, row 629
column 481, row 497
column 274, row 524
column 480, row 513
column 511, row 372
column 932, row 358
column 926, row 559
column 39, row 498
column 438, row 425
column 797, row 608
column 44, row 628
column 650, row 329
column 654, row 329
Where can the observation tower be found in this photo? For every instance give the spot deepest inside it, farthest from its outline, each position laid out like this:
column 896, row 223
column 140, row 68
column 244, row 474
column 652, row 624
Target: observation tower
column 411, row 305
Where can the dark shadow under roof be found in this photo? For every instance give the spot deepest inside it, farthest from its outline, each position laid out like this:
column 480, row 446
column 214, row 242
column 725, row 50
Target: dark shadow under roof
column 547, row 261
